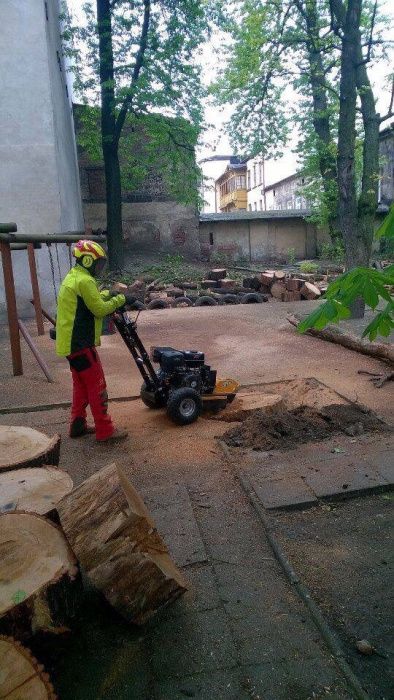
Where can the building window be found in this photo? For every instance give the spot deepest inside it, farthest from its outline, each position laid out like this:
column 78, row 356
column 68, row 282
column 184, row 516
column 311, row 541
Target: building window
column 255, row 206
column 274, row 193
column 248, row 179
column 261, row 205
column 210, row 238
column 254, row 175
column 260, row 173
column 250, row 207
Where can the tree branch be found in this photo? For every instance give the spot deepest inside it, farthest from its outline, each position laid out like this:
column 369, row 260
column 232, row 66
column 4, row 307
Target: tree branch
column 390, row 112
column 375, row 7
column 139, row 60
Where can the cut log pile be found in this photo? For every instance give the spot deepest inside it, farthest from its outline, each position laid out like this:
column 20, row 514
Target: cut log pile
column 22, row 677
column 48, row 530
column 220, row 288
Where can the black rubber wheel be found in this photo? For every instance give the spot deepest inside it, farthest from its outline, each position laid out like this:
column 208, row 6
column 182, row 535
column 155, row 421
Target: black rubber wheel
column 252, row 298
column 230, row 299
column 205, row 301
column 151, row 399
column 138, row 306
column 158, row 304
column 182, row 301
column 184, row 406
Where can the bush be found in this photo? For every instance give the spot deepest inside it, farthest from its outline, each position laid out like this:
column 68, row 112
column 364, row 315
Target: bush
column 332, row 251
column 308, row 266
column 290, row 256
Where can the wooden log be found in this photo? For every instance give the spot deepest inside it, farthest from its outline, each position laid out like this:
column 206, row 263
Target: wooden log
column 219, row 273
column 293, row 284
column 33, row 490
column 37, row 573
column 310, row 291
column 279, row 274
column 22, row 677
column 267, row 278
column 277, row 290
column 208, row 284
column 118, row 546
column 227, row 283
column 26, row 447
column 382, row 351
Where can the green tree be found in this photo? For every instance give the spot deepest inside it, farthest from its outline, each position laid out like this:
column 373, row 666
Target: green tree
column 138, row 62
column 318, row 50
column 372, row 286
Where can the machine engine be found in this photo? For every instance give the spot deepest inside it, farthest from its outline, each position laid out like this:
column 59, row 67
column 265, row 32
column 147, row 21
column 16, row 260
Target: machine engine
column 184, row 368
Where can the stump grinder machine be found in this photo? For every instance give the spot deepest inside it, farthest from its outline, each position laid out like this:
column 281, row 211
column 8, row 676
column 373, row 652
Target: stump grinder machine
column 183, row 383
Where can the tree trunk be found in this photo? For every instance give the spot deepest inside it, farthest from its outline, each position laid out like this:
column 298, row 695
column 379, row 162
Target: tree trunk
column 33, row 490
column 347, row 197
column 25, row 447
column 118, row 546
column 321, row 120
column 22, row 677
column 109, row 142
column 38, row 574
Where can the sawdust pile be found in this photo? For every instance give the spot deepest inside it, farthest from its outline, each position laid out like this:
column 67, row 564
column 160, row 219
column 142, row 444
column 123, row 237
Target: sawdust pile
column 283, row 430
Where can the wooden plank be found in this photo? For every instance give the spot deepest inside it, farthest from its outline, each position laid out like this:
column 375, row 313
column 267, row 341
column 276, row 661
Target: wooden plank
column 35, row 289
column 12, row 313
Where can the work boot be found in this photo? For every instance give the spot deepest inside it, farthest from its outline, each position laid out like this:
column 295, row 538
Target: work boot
column 79, row 428
column 117, row 436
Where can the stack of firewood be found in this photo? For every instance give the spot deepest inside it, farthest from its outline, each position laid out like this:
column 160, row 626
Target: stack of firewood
column 49, row 531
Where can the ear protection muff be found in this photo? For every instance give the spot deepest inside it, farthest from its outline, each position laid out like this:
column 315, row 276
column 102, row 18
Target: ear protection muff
column 87, row 261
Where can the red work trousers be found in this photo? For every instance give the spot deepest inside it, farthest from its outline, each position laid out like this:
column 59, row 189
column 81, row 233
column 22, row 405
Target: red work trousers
column 89, row 388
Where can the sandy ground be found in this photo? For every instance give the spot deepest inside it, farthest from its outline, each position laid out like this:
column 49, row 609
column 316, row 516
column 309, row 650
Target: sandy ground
column 252, row 343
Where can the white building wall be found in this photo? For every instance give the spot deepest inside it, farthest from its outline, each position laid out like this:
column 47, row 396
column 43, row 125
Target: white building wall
column 39, row 183
column 255, row 183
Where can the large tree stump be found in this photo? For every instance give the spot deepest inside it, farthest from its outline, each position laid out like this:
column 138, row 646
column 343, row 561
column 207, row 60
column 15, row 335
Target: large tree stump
column 33, row 490
column 22, row 677
column 26, row 447
column 37, row 575
column 118, row 546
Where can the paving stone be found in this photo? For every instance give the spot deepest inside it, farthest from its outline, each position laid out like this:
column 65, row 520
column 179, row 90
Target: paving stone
column 202, row 594
column 219, row 685
column 294, row 680
column 172, row 511
column 264, row 636
column 197, row 643
column 341, row 479
column 383, row 462
column 277, row 489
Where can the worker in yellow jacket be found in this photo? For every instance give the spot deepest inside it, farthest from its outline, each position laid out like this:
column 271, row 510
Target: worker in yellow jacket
column 80, row 312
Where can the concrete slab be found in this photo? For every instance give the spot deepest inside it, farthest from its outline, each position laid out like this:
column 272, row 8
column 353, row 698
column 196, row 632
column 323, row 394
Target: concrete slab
column 300, row 679
column 220, row 685
column 198, row 643
column 172, row 511
column 383, row 462
column 344, row 480
column 279, row 487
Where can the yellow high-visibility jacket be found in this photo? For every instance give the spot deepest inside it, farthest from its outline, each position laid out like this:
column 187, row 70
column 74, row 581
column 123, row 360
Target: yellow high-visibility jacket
column 81, row 308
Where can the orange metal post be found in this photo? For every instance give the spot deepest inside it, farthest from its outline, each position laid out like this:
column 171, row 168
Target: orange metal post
column 35, row 289
column 12, row 312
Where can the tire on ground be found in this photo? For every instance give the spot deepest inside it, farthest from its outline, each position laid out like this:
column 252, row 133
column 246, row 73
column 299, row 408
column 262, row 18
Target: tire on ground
column 158, row 304
column 251, row 298
column 184, row 406
column 205, row 301
column 182, row 301
column 151, row 400
column 230, row 299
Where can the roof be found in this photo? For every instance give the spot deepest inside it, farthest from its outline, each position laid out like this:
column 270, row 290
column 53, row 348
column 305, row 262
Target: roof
column 294, row 176
column 244, row 215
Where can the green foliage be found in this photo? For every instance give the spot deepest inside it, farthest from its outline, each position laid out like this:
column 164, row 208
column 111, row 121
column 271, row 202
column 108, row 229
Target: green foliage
column 308, row 266
column 173, row 268
column 164, row 103
column 362, row 282
column 291, row 256
column 332, row 251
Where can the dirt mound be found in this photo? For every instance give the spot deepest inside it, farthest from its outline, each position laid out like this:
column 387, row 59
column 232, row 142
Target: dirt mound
column 283, row 430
